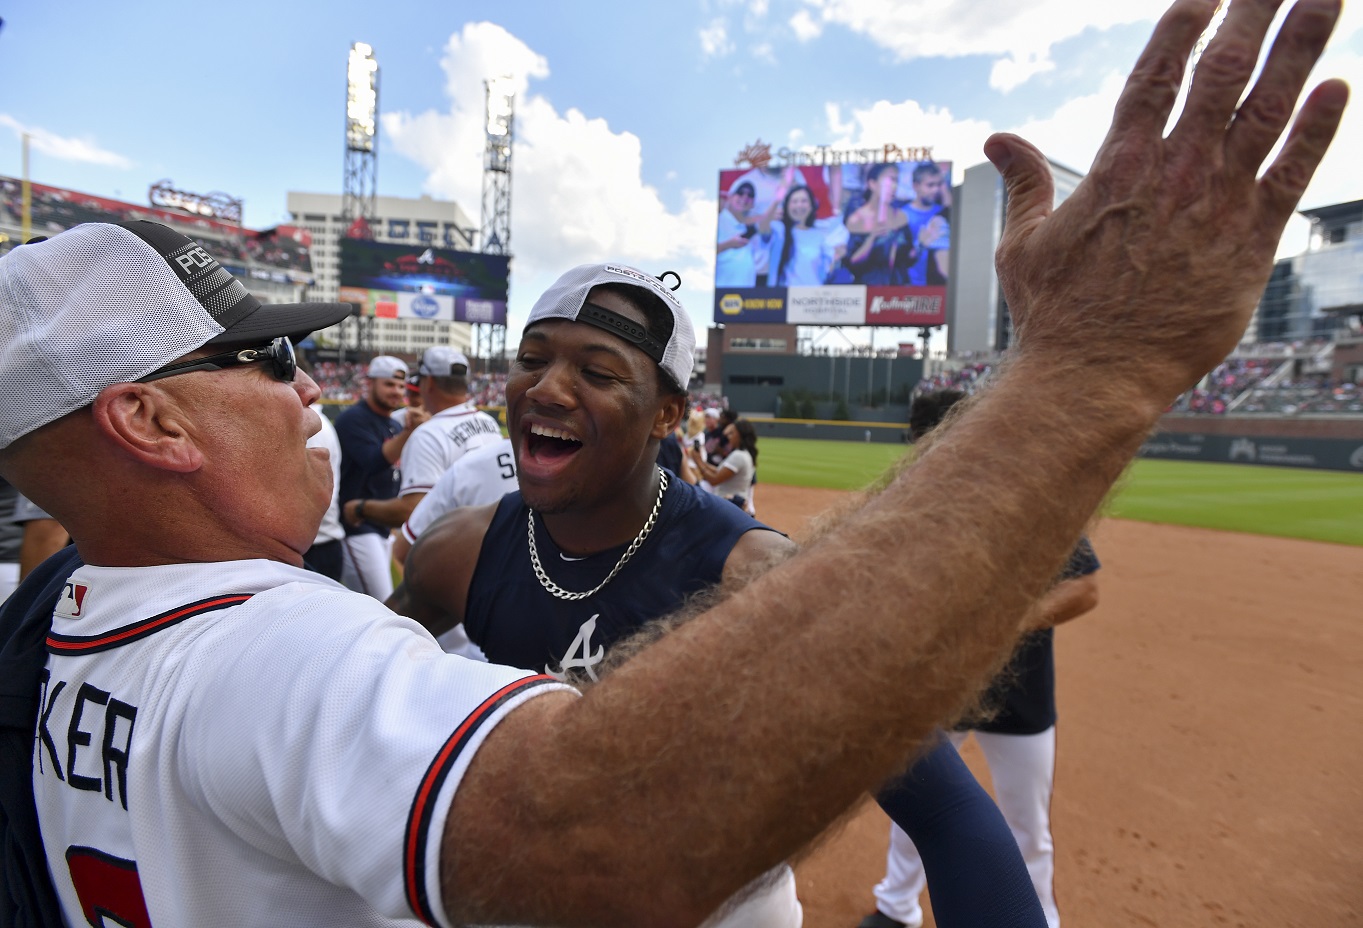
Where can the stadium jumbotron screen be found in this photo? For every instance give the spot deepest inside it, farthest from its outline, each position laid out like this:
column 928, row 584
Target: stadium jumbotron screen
column 847, row 244
column 423, row 282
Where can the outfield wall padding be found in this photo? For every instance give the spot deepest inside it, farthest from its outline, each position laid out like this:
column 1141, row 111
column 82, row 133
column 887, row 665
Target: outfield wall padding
column 1273, row 450
column 831, row 430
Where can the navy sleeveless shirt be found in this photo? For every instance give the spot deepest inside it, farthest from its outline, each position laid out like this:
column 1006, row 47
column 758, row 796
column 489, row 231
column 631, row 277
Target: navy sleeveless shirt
column 516, row 621
column 1023, row 695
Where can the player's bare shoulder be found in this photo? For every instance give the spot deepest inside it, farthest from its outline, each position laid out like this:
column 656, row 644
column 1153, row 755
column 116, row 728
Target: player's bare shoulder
column 440, row 567
column 755, row 552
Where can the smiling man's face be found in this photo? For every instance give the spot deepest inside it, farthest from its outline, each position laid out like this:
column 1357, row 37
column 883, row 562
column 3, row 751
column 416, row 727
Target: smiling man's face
column 584, row 410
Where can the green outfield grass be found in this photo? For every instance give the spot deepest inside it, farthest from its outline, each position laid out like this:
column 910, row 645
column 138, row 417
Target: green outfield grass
column 1319, row 505
column 831, row 465
column 1287, row 502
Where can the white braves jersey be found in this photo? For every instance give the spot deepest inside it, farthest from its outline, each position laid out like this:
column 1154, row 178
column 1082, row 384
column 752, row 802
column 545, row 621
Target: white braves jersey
column 440, row 441
column 478, row 478
column 330, row 529
column 248, row 744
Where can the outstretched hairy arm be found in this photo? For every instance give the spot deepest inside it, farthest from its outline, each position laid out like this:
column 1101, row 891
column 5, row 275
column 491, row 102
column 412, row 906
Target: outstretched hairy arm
column 723, row 748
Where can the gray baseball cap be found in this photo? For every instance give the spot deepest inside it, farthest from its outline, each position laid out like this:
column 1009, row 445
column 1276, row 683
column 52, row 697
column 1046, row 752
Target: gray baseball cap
column 440, row 361
column 567, row 299
column 101, row 304
column 385, row 366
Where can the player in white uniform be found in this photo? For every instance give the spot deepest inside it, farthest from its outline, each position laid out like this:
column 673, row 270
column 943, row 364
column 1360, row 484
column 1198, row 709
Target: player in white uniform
column 456, row 426
column 482, row 476
column 712, row 753
column 223, row 738
column 326, row 554
column 347, row 754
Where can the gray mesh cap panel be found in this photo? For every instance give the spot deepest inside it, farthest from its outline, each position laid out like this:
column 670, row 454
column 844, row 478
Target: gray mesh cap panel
column 91, row 307
column 564, row 299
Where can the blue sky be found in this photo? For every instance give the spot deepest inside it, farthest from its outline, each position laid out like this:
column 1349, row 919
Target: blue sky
column 625, row 112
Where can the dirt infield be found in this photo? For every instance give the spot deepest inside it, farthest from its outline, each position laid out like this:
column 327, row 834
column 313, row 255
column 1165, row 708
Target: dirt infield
column 1210, row 738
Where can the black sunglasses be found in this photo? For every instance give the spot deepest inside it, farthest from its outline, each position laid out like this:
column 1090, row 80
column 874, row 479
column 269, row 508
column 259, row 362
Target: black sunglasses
column 280, row 354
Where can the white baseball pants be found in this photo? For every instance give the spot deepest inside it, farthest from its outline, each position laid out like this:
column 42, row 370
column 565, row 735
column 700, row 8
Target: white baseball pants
column 366, row 564
column 773, row 906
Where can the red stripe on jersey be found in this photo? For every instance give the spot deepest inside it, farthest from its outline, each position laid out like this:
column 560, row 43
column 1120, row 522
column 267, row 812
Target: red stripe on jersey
column 73, row 644
column 419, row 821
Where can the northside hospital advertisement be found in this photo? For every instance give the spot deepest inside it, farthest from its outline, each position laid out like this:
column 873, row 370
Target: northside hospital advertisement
column 859, row 244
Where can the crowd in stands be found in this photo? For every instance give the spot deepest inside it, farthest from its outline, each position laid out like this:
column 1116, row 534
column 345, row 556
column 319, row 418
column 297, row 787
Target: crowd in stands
column 1238, row 385
column 343, row 382
column 488, row 389
column 54, row 210
column 967, row 379
column 1307, row 395
column 1230, row 379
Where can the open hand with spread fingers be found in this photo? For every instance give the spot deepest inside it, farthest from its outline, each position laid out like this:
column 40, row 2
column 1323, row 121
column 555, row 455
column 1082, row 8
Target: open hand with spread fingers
column 1154, row 265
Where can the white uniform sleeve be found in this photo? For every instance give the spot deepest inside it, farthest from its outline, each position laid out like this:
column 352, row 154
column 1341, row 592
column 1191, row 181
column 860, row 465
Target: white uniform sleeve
column 482, row 476
column 423, row 459
column 337, row 734
column 432, row 506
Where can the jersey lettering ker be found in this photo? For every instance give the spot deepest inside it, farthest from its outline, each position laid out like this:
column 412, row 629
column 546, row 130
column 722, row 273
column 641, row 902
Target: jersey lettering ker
column 189, row 767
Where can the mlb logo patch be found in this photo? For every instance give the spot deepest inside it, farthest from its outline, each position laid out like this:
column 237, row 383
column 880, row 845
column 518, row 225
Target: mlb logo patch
column 73, row 599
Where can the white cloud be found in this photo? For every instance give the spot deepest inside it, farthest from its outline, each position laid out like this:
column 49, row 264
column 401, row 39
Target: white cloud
column 714, row 39
column 1017, row 69
column 450, row 144
column 65, row 149
column 577, row 188
column 805, row 27
column 833, row 113
column 907, row 123
column 1021, row 35
column 1072, row 133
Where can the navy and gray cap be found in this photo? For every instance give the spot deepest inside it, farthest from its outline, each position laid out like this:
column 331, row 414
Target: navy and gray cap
column 567, row 299
column 106, row 303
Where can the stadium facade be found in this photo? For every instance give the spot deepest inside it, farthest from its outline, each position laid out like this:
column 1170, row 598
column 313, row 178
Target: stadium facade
column 977, row 314
column 398, row 220
column 1320, row 291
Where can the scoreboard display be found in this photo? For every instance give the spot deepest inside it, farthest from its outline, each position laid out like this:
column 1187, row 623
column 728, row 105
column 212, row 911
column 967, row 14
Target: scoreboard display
column 420, row 281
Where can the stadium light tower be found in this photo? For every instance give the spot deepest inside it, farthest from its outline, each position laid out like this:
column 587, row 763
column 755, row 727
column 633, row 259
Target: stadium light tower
column 361, row 160
column 495, row 236
column 501, row 131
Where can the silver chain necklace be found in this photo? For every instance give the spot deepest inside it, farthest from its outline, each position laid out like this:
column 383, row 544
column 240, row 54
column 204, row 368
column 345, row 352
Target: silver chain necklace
column 559, row 592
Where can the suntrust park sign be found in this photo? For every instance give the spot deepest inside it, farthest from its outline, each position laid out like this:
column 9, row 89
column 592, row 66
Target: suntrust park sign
column 759, row 155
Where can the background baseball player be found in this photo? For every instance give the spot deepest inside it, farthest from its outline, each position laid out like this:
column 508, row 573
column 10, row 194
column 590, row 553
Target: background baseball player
column 454, row 427
column 482, row 476
column 327, row 554
column 371, row 446
column 1017, row 733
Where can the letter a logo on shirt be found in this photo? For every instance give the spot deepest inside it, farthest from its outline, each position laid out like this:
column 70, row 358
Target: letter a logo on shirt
column 579, row 655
